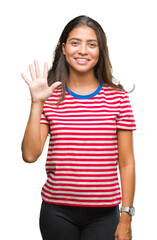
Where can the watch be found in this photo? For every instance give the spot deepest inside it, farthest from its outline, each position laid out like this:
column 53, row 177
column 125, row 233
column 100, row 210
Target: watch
column 130, row 210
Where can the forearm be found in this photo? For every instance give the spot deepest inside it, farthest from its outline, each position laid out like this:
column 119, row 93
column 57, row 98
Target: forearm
column 127, row 174
column 31, row 145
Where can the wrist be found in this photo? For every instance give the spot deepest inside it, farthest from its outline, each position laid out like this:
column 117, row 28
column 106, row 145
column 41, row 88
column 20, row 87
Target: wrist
column 37, row 104
column 129, row 210
column 36, row 108
column 125, row 217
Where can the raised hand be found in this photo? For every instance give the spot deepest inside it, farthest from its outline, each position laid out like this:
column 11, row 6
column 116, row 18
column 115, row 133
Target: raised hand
column 39, row 88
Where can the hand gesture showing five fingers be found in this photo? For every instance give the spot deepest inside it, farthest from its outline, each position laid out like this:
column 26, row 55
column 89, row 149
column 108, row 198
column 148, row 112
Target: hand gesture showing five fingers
column 39, row 88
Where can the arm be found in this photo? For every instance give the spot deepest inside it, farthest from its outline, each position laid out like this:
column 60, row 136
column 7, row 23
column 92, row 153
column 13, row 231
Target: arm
column 127, row 175
column 36, row 133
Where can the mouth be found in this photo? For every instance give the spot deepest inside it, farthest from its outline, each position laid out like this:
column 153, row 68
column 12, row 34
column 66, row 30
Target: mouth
column 82, row 60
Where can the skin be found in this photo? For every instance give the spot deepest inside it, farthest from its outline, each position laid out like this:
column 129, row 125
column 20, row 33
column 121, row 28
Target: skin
column 127, row 175
column 36, row 133
column 81, row 44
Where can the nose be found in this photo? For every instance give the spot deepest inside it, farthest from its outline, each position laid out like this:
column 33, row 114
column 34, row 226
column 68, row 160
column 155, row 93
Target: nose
column 83, row 49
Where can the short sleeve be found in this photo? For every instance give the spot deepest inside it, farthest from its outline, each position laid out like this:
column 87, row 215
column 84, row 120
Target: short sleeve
column 43, row 119
column 125, row 119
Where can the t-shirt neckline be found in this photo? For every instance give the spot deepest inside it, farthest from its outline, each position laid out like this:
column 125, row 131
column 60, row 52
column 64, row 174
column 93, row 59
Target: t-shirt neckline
column 85, row 96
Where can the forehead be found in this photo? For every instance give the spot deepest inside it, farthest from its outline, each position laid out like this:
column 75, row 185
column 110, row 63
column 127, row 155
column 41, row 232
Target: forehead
column 83, row 32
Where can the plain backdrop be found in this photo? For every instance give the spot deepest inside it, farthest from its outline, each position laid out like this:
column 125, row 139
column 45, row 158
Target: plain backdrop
column 30, row 30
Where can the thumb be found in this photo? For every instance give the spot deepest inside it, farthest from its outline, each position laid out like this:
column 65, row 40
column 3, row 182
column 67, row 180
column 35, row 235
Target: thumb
column 55, row 85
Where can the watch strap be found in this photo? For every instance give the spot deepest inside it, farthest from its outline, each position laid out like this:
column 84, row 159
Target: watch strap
column 125, row 209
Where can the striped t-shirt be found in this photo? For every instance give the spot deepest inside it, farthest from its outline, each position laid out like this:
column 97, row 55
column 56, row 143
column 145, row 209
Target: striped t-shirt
column 82, row 155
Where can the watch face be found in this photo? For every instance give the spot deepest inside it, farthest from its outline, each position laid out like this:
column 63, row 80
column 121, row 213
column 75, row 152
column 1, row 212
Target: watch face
column 132, row 211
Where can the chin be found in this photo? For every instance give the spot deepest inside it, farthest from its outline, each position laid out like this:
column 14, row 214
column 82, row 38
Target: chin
column 83, row 69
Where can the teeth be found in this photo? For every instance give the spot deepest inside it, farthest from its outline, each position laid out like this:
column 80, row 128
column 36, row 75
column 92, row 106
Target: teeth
column 82, row 60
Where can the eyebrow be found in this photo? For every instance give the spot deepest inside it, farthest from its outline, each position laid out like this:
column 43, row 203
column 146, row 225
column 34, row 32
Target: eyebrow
column 78, row 39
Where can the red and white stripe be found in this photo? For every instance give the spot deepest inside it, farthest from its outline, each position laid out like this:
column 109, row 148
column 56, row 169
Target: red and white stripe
column 82, row 156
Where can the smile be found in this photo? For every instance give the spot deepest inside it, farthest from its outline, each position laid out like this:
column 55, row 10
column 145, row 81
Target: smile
column 82, row 60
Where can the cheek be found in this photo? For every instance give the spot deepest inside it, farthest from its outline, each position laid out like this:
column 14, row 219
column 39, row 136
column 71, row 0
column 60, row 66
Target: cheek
column 96, row 54
column 70, row 51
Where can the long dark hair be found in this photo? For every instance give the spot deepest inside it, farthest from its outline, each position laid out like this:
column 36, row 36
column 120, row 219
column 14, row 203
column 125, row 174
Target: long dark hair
column 60, row 67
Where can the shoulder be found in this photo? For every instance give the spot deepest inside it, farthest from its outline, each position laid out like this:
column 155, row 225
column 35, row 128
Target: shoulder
column 110, row 91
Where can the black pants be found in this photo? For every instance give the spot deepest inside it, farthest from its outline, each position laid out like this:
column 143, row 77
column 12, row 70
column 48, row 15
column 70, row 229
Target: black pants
column 59, row 222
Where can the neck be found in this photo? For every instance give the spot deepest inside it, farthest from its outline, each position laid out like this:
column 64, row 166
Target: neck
column 82, row 80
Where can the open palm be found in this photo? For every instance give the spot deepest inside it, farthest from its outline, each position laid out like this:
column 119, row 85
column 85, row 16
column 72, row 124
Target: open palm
column 39, row 88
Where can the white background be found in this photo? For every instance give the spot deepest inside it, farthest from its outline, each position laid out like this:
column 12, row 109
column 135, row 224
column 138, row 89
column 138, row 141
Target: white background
column 30, row 30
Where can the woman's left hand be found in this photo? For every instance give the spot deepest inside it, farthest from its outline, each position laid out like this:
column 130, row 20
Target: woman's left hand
column 123, row 231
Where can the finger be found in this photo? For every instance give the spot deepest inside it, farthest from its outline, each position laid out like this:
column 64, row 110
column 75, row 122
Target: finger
column 32, row 72
column 55, row 85
column 25, row 78
column 37, row 69
column 45, row 73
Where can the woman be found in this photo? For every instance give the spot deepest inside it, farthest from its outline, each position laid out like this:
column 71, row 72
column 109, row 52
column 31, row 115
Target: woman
column 90, row 122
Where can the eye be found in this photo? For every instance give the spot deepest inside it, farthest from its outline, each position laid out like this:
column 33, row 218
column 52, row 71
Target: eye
column 92, row 45
column 74, row 43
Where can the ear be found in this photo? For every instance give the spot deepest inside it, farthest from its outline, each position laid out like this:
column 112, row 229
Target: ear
column 63, row 48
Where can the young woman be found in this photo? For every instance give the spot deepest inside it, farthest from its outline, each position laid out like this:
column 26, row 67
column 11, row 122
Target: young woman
column 90, row 122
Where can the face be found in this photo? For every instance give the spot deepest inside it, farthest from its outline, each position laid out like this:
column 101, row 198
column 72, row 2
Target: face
column 81, row 49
